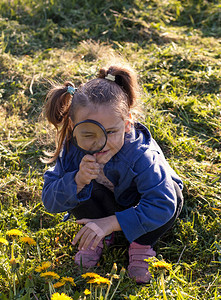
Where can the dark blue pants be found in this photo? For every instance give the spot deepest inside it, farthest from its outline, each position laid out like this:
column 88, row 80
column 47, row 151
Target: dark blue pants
column 102, row 204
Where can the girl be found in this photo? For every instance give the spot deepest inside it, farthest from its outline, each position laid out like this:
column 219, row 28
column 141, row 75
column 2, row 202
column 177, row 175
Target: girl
column 126, row 186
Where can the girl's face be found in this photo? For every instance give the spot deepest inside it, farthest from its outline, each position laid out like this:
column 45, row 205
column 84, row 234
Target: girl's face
column 114, row 125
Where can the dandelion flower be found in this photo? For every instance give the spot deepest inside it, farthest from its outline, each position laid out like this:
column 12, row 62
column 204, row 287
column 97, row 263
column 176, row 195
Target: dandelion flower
column 50, row 275
column 160, row 265
column 92, row 281
column 87, row 292
column 44, row 266
column 68, row 279
column 14, row 232
column 92, row 275
column 28, row 240
column 114, row 269
column 122, row 273
column 58, row 284
column 3, row 241
column 100, row 280
column 61, row 296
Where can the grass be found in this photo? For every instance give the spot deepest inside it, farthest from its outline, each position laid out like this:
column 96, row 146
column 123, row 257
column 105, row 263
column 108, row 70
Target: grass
column 175, row 48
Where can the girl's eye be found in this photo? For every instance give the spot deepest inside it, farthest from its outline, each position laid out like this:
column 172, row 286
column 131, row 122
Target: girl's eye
column 111, row 132
column 88, row 136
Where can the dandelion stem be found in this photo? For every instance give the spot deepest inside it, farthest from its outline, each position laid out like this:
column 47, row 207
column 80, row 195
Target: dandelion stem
column 163, row 285
column 108, row 289
column 12, row 258
column 18, row 276
column 25, row 263
column 95, row 296
column 91, row 291
column 14, row 284
column 115, row 290
column 101, row 293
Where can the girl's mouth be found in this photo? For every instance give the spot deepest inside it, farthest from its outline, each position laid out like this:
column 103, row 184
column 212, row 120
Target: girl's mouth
column 102, row 152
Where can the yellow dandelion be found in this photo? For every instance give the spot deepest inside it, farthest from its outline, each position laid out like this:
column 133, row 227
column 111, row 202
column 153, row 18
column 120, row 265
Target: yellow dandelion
column 87, row 292
column 68, row 279
column 58, row 284
column 91, row 280
column 3, row 241
column 61, row 296
column 92, row 275
column 50, row 275
column 44, row 266
column 28, row 240
column 14, row 232
column 100, row 280
column 162, row 265
column 104, row 280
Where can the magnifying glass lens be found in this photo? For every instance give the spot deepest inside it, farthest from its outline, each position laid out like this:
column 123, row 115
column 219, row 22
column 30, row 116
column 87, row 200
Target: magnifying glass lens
column 89, row 137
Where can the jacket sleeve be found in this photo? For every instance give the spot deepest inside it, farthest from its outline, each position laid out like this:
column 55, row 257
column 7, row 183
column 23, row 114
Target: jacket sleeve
column 157, row 204
column 60, row 189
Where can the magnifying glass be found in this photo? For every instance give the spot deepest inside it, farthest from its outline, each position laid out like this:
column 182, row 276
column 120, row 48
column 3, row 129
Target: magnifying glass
column 89, row 136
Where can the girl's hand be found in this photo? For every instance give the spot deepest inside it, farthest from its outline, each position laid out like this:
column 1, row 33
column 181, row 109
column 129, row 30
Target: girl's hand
column 88, row 170
column 95, row 229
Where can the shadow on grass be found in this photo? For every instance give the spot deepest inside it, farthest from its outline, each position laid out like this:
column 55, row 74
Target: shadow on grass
column 30, row 27
column 202, row 15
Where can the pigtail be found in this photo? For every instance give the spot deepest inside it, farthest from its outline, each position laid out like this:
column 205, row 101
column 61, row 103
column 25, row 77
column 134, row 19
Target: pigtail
column 58, row 102
column 126, row 79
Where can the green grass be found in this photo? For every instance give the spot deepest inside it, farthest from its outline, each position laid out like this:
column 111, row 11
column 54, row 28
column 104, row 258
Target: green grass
column 175, row 48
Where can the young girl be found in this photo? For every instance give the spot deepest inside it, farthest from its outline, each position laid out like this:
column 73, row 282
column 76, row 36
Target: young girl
column 127, row 186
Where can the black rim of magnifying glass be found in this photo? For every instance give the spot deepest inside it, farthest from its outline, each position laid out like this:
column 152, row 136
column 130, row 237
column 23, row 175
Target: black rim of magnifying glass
column 93, row 122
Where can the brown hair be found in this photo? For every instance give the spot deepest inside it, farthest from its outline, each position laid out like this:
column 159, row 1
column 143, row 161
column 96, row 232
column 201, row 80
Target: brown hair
column 61, row 106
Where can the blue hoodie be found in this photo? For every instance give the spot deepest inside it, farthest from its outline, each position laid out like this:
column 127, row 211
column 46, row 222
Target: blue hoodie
column 138, row 169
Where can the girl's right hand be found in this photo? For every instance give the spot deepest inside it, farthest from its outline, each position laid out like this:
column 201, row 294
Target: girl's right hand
column 88, row 170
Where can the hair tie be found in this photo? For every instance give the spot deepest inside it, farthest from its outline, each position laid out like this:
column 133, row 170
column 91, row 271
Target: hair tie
column 110, row 77
column 71, row 90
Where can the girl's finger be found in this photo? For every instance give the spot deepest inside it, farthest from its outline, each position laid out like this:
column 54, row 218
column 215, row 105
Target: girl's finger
column 78, row 235
column 91, row 168
column 83, row 221
column 86, row 239
column 96, row 242
column 88, row 158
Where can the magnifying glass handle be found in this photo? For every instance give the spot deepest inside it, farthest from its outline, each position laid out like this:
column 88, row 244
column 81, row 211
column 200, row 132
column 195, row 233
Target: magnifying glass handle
column 66, row 216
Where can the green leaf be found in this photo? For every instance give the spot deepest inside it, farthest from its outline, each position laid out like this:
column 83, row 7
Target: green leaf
column 3, row 297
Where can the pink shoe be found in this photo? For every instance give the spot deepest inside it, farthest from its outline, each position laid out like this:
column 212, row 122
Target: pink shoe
column 89, row 258
column 138, row 268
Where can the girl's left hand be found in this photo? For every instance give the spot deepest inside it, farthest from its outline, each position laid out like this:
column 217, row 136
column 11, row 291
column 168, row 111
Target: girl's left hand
column 95, row 229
